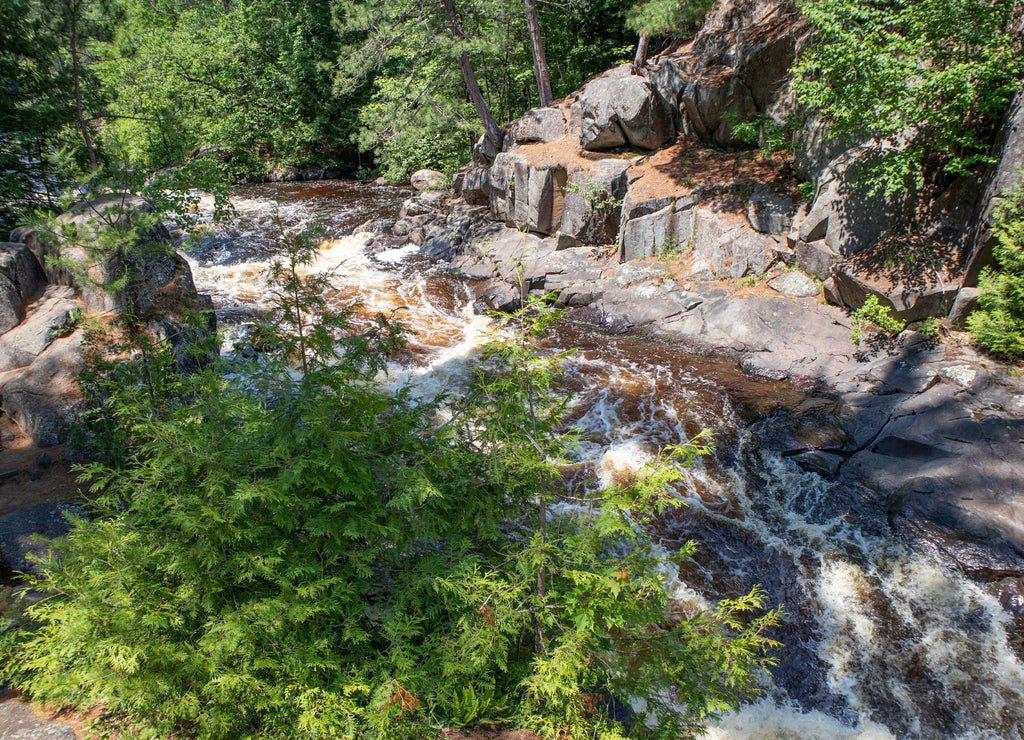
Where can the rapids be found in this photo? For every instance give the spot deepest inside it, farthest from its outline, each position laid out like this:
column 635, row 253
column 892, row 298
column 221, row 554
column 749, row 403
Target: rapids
column 880, row 640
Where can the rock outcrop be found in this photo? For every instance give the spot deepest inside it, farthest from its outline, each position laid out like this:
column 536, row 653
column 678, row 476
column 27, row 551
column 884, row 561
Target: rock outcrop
column 59, row 278
column 623, row 161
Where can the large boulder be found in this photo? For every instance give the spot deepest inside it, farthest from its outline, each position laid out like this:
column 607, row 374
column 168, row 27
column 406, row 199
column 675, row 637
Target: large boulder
column 526, row 196
column 769, row 212
column 619, row 108
column 21, row 281
column 844, row 213
column 537, row 124
column 735, row 67
column 428, row 180
column 475, row 185
column 53, row 315
column 929, row 295
column 42, row 397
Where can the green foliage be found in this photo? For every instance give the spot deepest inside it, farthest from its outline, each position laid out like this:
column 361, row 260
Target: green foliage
column 252, row 80
column 806, row 189
column 297, row 554
column 938, row 72
column 929, row 327
column 872, row 315
column 998, row 322
column 762, row 130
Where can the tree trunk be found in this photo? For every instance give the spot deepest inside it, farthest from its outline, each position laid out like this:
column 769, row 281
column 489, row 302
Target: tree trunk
column 76, row 75
column 491, row 129
column 540, row 61
column 641, row 51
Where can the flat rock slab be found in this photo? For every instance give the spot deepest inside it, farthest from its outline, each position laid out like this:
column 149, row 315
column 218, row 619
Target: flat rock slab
column 19, row 722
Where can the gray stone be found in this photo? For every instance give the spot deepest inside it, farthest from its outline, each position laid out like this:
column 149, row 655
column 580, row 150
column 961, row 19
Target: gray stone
column 795, row 284
column 484, row 151
column 964, row 303
column 1003, row 177
column 47, row 319
column 668, row 76
column 545, row 194
column 621, row 107
column 406, row 226
column 830, row 292
column 816, row 149
column 152, row 262
column 852, row 218
column 816, row 258
column 497, row 295
column 19, row 722
column 42, row 397
column 502, row 181
column 908, row 303
column 418, row 205
column 769, row 212
column 12, row 307
column 537, row 124
column 747, row 253
column 17, row 531
column 424, row 180
column 475, row 186
column 43, row 460
column 21, row 282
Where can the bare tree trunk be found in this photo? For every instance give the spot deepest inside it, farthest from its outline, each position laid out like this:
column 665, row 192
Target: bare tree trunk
column 76, row 73
column 540, row 61
column 491, row 129
column 641, row 51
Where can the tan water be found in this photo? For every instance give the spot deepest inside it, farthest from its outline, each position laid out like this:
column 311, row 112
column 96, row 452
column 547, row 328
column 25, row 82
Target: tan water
column 881, row 641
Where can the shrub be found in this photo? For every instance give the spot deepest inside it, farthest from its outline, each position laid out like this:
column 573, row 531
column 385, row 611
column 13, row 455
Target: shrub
column 998, row 322
column 872, row 315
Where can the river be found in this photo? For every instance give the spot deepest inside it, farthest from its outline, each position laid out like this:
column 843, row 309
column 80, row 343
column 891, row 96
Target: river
column 880, row 640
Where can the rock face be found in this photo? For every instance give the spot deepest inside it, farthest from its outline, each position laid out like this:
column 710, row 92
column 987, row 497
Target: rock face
column 21, row 280
column 1004, row 177
column 41, row 354
column 592, row 205
column 19, row 722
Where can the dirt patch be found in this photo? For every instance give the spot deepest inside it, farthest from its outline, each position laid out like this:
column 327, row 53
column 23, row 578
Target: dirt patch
column 489, row 735
column 686, row 167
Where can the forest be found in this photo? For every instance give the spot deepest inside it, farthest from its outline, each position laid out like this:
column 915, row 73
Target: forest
column 278, row 547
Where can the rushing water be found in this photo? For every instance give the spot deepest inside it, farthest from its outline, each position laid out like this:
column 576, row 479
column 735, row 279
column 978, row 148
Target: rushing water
column 880, row 640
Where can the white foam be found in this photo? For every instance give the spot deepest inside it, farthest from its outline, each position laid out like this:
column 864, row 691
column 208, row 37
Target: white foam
column 765, row 720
